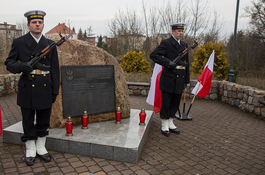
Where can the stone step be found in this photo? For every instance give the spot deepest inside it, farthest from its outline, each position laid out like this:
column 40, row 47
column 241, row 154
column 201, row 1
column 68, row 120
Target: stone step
column 120, row 142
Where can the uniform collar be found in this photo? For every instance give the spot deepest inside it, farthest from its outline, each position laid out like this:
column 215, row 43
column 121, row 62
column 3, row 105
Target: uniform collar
column 176, row 39
column 174, row 42
column 33, row 45
column 37, row 40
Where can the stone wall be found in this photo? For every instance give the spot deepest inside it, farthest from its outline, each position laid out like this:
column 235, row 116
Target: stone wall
column 8, row 84
column 138, row 89
column 245, row 98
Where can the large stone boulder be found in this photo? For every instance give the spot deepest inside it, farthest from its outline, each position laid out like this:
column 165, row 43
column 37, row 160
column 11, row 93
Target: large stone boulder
column 76, row 52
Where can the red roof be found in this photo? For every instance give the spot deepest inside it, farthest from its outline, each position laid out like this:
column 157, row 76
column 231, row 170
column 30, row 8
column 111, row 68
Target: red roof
column 60, row 28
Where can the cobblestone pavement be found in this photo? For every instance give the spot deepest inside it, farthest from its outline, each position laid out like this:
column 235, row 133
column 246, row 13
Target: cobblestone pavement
column 219, row 140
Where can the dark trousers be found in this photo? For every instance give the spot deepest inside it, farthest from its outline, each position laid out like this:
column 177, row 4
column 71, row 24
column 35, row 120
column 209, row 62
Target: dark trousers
column 169, row 105
column 31, row 130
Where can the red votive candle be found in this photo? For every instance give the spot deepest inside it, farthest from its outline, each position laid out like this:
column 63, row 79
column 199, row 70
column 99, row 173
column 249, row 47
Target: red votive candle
column 142, row 116
column 118, row 115
column 69, row 127
column 84, row 120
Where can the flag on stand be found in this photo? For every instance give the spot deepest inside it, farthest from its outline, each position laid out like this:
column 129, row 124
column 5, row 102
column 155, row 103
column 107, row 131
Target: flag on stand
column 205, row 79
column 154, row 96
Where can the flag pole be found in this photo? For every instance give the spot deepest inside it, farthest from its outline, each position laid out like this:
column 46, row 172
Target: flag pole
column 184, row 116
column 194, row 97
column 184, row 100
column 179, row 113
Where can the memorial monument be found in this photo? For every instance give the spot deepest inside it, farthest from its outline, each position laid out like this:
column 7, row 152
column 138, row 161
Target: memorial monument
column 80, row 53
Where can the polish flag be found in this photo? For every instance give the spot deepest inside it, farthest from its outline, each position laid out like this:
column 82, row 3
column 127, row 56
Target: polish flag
column 154, row 96
column 205, row 79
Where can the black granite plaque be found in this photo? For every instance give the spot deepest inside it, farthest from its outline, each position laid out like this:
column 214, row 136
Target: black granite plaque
column 90, row 88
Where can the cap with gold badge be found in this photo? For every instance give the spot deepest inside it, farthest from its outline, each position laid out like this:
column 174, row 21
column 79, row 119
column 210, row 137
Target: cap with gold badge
column 177, row 26
column 35, row 14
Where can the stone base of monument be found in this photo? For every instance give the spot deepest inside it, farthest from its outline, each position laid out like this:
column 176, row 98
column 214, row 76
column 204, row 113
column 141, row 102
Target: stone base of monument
column 108, row 140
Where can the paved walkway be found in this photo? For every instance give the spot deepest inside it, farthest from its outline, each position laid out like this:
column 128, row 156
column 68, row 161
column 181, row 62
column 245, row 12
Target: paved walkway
column 219, row 140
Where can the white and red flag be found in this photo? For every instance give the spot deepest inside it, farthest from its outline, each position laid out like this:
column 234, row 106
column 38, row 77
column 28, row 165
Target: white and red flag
column 154, row 96
column 205, row 80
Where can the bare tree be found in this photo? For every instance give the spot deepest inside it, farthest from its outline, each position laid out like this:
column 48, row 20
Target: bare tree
column 145, row 18
column 256, row 13
column 126, row 28
column 23, row 26
column 249, row 53
column 154, row 22
column 165, row 13
column 68, row 22
column 199, row 17
column 114, row 48
column 213, row 33
column 89, row 31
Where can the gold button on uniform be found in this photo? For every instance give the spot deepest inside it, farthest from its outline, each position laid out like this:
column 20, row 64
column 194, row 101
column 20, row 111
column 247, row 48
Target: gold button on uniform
column 32, row 76
column 177, row 75
column 31, row 56
column 44, row 85
column 44, row 75
column 33, row 85
column 44, row 57
column 183, row 76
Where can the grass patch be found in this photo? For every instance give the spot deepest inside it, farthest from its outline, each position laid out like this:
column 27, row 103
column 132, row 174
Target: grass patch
column 3, row 69
column 138, row 77
column 258, row 83
column 2, row 63
column 253, row 82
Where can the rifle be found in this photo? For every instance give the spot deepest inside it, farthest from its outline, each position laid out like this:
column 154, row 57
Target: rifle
column 185, row 51
column 34, row 62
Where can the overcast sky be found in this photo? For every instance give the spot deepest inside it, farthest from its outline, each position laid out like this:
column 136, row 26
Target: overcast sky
column 96, row 13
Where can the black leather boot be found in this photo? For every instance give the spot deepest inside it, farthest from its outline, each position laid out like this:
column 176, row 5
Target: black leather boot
column 41, row 150
column 30, row 152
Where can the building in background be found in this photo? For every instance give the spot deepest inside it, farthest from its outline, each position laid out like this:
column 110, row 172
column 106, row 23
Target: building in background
column 93, row 40
column 8, row 32
column 62, row 29
column 162, row 36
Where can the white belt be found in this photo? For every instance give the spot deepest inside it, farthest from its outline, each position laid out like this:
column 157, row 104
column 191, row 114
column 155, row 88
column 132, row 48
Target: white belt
column 39, row 72
column 181, row 67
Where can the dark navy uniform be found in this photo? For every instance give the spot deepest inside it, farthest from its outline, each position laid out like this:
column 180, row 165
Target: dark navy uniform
column 38, row 85
column 174, row 77
column 36, row 94
column 172, row 80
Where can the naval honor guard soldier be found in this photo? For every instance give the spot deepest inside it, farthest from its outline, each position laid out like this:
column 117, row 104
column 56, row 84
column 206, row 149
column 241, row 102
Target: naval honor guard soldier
column 35, row 96
column 174, row 77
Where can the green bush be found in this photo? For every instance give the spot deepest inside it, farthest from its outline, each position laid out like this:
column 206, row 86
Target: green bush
column 135, row 62
column 201, row 56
